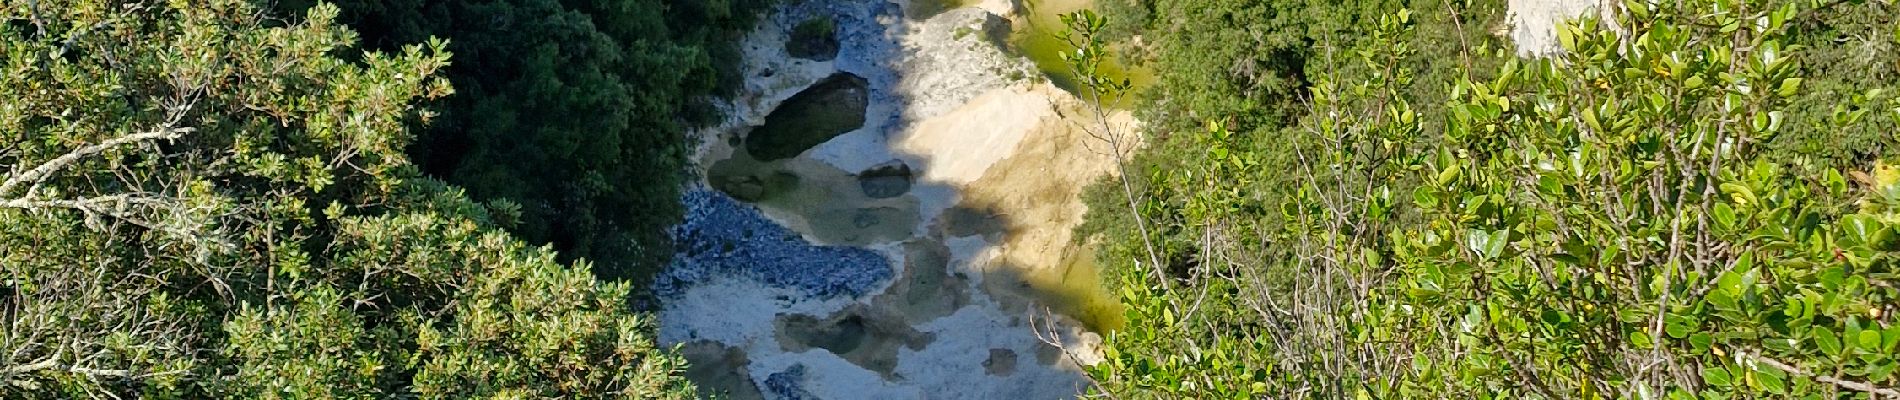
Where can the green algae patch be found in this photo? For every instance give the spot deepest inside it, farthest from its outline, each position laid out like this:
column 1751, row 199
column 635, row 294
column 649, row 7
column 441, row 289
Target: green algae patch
column 826, row 203
column 1076, row 289
column 1038, row 37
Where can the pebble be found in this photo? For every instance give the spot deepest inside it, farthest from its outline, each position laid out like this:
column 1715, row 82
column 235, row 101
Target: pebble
column 789, row 384
column 723, row 236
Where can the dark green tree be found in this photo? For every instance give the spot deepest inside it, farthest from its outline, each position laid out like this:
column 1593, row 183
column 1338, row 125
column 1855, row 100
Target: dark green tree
column 198, row 201
column 572, row 116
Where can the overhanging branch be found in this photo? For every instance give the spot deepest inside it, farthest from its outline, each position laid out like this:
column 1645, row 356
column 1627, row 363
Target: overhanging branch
column 120, row 207
column 47, row 169
column 1844, row 384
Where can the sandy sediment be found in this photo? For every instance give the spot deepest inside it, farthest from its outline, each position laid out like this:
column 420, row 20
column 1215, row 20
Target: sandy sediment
column 994, row 170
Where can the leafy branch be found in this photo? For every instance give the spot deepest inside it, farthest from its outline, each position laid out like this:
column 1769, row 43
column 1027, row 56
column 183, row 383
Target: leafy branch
column 1083, row 33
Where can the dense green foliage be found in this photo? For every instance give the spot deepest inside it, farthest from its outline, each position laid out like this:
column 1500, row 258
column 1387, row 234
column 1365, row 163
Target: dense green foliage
column 202, row 202
column 1844, row 52
column 573, row 116
column 1690, row 209
column 1258, row 98
column 1247, row 63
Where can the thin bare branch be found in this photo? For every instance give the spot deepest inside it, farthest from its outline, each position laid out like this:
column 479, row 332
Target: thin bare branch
column 1842, row 383
column 44, row 170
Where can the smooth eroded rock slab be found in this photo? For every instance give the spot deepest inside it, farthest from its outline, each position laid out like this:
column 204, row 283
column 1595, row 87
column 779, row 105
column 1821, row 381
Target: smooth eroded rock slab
column 827, row 109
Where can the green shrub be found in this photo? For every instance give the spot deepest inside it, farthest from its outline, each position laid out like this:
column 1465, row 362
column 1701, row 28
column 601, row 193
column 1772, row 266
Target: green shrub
column 202, row 202
column 578, row 111
column 1622, row 221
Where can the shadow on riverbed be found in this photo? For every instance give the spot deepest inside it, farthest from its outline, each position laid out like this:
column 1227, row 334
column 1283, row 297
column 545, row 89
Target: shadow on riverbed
column 949, row 263
column 836, row 207
column 904, row 275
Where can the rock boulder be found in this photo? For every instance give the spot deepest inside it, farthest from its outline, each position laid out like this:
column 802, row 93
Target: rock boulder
column 887, row 180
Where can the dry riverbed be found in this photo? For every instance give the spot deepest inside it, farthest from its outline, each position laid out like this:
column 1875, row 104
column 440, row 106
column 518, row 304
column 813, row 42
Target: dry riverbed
column 924, row 254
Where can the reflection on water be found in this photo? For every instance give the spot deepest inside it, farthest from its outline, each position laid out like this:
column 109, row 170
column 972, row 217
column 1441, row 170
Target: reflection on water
column 1076, row 289
column 823, row 202
column 1037, row 38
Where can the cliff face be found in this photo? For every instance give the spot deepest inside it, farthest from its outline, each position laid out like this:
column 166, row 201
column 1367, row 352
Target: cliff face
column 1534, row 23
column 924, row 254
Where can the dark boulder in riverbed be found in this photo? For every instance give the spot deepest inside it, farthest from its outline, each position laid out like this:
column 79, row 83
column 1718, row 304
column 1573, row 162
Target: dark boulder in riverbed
column 829, row 108
column 815, row 39
column 887, row 180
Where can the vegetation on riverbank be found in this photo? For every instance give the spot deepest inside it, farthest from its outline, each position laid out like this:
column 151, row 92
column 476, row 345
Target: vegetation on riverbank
column 201, row 201
column 572, row 118
column 217, row 199
column 1386, row 202
column 1038, row 37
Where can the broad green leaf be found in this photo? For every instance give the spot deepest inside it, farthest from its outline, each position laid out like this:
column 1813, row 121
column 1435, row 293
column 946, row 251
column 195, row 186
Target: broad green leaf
column 1567, row 37
column 1495, row 247
column 1721, row 299
column 1448, row 175
column 1789, row 87
column 1477, row 241
column 1771, row 380
column 1730, row 283
column 1739, row 193
column 1869, row 340
column 1424, row 198
column 1724, row 216
column 1827, row 341
column 1716, row 376
column 1860, row 227
column 1700, row 342
column 1677, row 328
